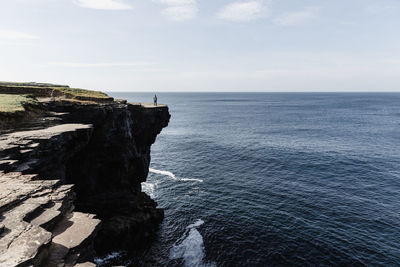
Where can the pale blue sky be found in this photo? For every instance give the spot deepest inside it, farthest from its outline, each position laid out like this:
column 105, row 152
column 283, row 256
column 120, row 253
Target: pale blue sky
column 203, row 45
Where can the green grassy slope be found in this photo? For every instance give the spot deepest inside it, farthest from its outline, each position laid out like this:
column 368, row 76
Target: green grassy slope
column 10, row 104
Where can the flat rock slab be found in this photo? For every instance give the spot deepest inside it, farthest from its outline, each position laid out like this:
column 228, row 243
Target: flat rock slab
column 85, row 264
column 149, row 105
column 15, row 188
column 8, row 140
column 72, row 232
column 21, row 151
column 25, row 247
column 26, row 204
column 47, row 216
column 26, row 140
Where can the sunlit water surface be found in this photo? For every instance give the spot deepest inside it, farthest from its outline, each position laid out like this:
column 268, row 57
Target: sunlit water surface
column 249, row 179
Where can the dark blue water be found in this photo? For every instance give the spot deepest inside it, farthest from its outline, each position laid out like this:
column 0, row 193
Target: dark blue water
column 277, row 180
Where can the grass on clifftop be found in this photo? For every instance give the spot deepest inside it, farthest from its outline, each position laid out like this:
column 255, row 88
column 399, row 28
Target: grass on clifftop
column 83, row 92
column 49, row 90
column 31, row 84
column 10, row 104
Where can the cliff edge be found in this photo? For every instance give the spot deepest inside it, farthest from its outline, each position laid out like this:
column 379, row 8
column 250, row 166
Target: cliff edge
column 70, row 175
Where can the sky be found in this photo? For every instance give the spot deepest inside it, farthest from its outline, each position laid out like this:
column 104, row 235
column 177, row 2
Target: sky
column 203, row 45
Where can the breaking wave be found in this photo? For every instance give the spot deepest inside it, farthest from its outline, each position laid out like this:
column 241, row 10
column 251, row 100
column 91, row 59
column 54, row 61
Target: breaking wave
column 170, row 174
column 167, row 173
column 191, row 248
column 148, row 188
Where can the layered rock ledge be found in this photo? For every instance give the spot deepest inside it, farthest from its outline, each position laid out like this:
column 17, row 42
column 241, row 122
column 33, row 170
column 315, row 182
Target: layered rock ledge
column 70, row 182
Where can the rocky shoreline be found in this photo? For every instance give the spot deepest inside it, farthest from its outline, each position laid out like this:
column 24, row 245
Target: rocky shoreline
column 70, row 182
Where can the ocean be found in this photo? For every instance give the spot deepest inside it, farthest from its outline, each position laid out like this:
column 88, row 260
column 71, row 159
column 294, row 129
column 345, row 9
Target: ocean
column 275, row 179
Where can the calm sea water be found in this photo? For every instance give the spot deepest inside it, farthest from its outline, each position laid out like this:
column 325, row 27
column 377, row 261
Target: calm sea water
column 249, row 179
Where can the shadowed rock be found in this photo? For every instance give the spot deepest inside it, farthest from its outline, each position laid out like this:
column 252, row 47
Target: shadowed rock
column 72, row 238
column 92, row 156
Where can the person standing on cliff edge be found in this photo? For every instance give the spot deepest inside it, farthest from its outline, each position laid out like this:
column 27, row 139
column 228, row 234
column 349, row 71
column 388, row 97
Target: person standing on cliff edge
column 155, row 100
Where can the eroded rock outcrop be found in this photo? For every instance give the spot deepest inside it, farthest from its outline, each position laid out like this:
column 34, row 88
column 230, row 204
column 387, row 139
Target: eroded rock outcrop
column 71, row 186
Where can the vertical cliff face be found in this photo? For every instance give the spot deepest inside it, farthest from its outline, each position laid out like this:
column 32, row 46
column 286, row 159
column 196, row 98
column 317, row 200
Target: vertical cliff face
column 108, row 172
column 103, row 150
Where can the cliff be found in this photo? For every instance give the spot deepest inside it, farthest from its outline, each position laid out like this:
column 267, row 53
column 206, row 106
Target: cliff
column 70, row 180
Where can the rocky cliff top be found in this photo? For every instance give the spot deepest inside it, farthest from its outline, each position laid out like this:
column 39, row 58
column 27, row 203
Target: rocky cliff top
column 70, row 179
column 53, row 90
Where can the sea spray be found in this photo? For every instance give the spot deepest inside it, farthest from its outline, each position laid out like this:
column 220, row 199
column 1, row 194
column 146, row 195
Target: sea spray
column 190, row 247
column 110, row 258
column 148, row 188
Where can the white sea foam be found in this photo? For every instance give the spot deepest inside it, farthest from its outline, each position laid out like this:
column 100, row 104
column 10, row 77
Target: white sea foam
column 196, row 224
column 148, row 188
column 191, row 249
column 168, row 173
column 191, row 180
column 104, row 260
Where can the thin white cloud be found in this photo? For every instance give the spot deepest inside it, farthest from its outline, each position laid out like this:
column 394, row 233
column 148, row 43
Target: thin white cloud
column 179, row 13
column 103, row 4
column 376, row 9
column 179, row 10
column 14, row 35
column 243, row 11
column 101, row 64
column 298, row 17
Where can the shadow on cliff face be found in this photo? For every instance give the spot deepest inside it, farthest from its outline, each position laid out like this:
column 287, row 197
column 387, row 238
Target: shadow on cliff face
column 103, row 149
column 108, row 172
